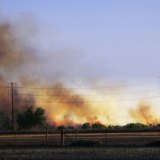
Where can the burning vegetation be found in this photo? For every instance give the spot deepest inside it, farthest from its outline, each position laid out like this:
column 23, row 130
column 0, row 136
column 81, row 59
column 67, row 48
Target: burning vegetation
column 62, row 105
column 144, row 114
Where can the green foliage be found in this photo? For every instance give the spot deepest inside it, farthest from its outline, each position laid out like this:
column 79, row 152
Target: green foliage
column 135, row 126
column 98, row 126
column 114, row 127
column 30, row 118
column 86, row 125
column 85, row 143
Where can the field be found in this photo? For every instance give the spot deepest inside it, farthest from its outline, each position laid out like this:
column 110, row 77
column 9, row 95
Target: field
column 69, row 153
column 112, row 139
column 114, row 145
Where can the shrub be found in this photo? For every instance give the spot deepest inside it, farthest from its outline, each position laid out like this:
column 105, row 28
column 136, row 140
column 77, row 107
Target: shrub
column 135, row 126
column 98, row 125
column 155, row 143
column 86, row 125
column 85, row 143
column 114, row 127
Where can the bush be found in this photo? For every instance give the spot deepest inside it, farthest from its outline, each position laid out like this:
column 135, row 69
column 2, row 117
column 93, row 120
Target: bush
column 85, row 143
column 135, row 126
column 114, row 127
column 155, row 143
column 98, row 126
column 86, row 125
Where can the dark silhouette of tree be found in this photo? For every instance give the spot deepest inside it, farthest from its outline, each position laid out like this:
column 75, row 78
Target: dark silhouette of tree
column 114, row 127
column 4, row 121
column 98, row 126
column 86, row 125
column 30, row 118
column 39, row 117
column 135, row 126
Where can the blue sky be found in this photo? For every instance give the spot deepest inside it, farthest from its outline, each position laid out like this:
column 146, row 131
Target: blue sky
column 119, row 39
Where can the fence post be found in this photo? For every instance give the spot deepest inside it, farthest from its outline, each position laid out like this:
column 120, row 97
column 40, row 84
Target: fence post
column 76, row 135
column 14, row 138
column 105, row 136
column 62, row 137
column 47, row 136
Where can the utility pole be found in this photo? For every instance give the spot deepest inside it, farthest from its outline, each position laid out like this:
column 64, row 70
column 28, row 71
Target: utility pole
column 158, row 86
column 12, row 105
column 62, row 137
column 158, row 97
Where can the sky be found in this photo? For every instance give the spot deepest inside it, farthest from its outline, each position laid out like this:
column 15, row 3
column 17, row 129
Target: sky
column 115, row 39
column 87, row 43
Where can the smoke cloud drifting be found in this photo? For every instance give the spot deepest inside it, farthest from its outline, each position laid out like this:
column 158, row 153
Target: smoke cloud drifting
column 144, row 113
column 62, row 105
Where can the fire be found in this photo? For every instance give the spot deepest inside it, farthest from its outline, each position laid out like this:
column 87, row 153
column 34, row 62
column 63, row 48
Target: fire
column 63, row 106
column 144, row 113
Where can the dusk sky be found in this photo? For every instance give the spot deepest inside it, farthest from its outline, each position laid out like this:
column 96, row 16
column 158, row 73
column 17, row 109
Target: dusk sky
column 115, row 39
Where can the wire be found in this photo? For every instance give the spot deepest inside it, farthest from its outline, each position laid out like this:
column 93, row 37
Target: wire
column 83, row 95
column 115, row 100
column 101, row 87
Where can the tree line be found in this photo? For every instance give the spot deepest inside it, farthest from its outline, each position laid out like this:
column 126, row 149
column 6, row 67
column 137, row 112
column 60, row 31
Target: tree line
column 29, row 118
column 34, row 118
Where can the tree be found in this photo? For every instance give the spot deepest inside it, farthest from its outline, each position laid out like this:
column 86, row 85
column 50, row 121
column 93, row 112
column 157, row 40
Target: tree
column 39, row 117
column 114, row 127
column 135, row 126
column 98, row 126
column 30, row 118
column 86, row 125
column 4, row 121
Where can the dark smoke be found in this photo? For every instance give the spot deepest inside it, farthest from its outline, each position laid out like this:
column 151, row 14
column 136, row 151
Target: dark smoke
column 18, row 63
column 14, row 55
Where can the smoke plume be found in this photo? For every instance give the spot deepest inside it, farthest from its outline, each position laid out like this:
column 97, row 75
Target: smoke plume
column 14, row 57
column 144, row 113
column 20, row 62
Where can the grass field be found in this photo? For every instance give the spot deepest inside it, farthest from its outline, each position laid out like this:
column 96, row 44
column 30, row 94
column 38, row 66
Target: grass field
column 109, row 139
column 117, row 146
column 65, row 153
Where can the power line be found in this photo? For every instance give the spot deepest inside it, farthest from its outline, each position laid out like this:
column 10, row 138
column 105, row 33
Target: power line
column 99, row 87
column 74, row 94
column 83, row 95
column 101, row 101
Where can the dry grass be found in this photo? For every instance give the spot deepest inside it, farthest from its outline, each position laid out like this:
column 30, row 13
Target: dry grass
column 111, row 139
column 100, row 153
